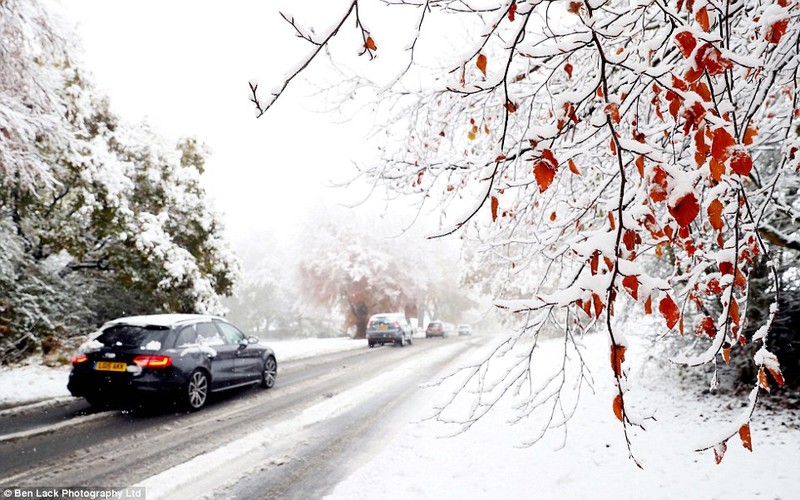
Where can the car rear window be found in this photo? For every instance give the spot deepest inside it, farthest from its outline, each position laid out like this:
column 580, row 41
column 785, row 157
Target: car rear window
column 382, row 320
column 144, row 337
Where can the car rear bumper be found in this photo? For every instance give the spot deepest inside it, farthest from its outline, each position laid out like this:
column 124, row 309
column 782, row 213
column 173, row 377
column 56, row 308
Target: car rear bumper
column 123, row 386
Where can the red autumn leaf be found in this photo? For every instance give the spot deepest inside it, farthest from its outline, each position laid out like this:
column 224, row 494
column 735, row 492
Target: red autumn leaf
column 617, row 358
column 744, row 435
column 710, row 59
column 630, row 239
column 776, row 31
column 726, row 267
column 740, row 280
column 702, row 18
column 706, row 326
column 598, row 305
column 499, row 158
column 568, row 69
column 631, row 284
column 544, row 174
column 481, row 63
column 594, row 263
column 495, row 204
column 686, row 210
column 370, row 44
column 741, row 163
column 611, row 221
column 686, row 43
column 575, row 7
column 573, row 168
column 770, row 362
column 511, row 11
column 726, row 354
column 648, row 305
column 670, row 311
column 701, row 148
column 549, row 157
column 721, row 145
column 613, row 145
column 618, row 407
column 715, row 214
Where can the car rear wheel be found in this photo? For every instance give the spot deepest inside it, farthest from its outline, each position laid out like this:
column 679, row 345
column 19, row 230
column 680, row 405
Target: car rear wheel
column 270, row 373
column 96, row 401
column 197, row 390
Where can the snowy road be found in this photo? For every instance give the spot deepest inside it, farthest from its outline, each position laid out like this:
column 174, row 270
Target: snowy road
column 325, row 416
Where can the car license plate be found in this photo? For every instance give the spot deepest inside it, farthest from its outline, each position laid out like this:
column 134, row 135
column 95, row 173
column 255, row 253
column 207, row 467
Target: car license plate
column 108, row 366
column 382, row 327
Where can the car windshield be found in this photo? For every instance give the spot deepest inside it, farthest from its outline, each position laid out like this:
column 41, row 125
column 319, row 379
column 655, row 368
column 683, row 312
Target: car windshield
column 133, row 336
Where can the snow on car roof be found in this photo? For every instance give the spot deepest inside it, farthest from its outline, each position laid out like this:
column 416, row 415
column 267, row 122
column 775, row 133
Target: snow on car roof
column 166, row 320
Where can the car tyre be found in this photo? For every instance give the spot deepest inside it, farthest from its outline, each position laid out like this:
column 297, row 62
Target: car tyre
column 197, row 390
column 411, row 340
column 371, row 345
column 270, row 373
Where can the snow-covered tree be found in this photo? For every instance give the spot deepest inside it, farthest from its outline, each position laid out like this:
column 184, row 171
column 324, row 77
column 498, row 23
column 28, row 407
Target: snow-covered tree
column 91, row 203
column 593, row 139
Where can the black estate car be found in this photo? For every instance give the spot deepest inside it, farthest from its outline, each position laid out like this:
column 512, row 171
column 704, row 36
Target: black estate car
column 184, row 355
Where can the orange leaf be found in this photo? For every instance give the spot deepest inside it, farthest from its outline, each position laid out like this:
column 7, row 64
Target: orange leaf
column 726, row 355
column 370, row 44
column 573, row 168
column 575, row 7
column 613, row 145
column 618, row 407
column 741, row 163
column 776, row 31
column 544, row 173
column 717, row 169
column 640, row 165
column 511, row 11
column 762, row 379
column 686, row 210
column 500, row 158
column 511, row 107
column 617, row 358
column 612, row 110
column 734, row 311
column 568, row 69
column 702, row 18
column 495, row 204
column 670, row 311
column 648, row 305
column 715, row 214
column 631, row 284
column 598, row 305
column 744, row 435
column 749, row 135
column 481, row 63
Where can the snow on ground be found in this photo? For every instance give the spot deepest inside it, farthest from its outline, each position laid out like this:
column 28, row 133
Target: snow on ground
column 487, row 461
column 32, row 381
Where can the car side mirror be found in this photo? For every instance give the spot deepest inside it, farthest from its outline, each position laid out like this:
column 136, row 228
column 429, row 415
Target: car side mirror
column 252, row 339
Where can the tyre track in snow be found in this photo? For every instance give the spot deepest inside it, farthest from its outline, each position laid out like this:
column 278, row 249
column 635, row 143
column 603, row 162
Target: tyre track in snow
column 126, row 448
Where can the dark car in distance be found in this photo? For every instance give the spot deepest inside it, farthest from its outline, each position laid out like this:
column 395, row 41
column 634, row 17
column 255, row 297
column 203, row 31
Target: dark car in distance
column 389, row 328
column 186, row 356
column 437, row 329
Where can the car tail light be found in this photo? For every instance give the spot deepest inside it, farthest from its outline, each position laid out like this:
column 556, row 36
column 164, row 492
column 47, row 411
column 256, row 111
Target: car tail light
column 79, row 359
column 153, row 361
column 396, row 324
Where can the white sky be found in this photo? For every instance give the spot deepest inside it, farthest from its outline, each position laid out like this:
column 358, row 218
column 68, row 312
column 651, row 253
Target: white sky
column 185, row 66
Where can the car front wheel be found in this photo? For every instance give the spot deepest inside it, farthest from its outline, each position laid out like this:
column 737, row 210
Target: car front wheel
column 270, row 373
column 197, row 390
